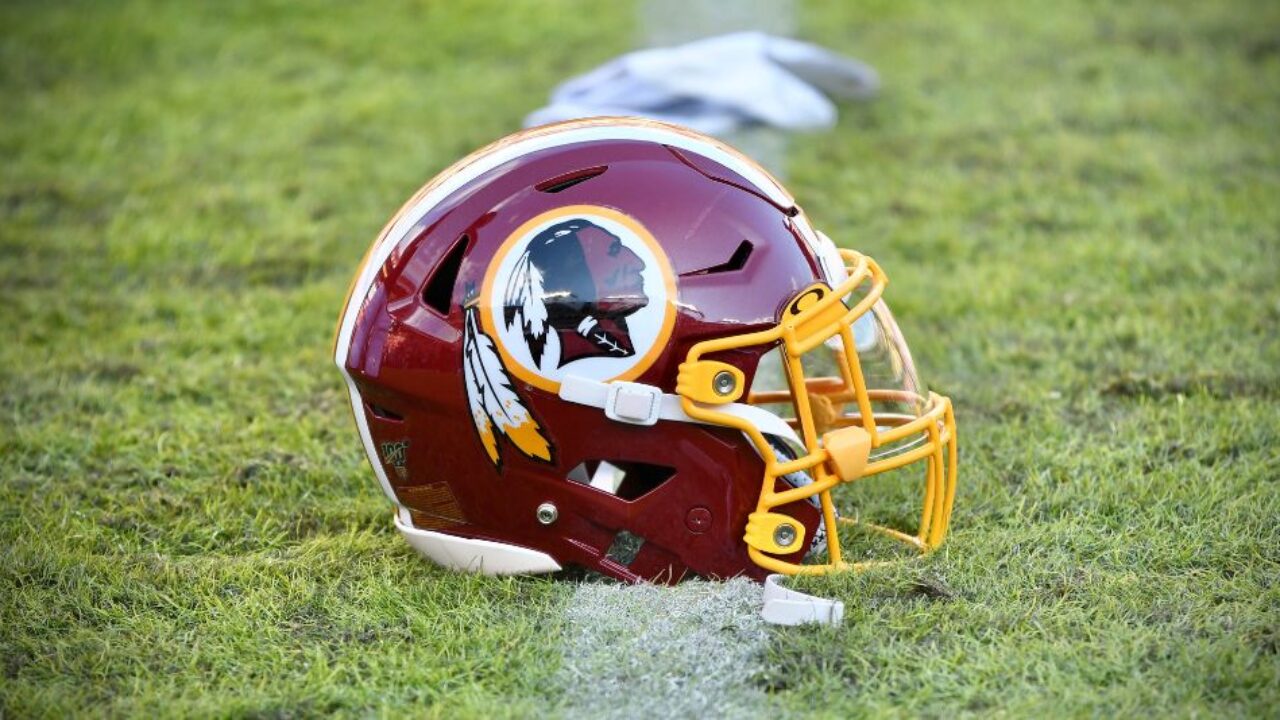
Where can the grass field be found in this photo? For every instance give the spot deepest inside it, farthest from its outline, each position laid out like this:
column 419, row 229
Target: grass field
column 1079, row 208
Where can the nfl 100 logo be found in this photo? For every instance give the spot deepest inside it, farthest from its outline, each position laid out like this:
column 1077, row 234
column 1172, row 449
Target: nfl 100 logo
column 396, row 455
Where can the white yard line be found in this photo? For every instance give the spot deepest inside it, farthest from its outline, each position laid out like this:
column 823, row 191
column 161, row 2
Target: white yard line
column 650, row 651
column 646, row 651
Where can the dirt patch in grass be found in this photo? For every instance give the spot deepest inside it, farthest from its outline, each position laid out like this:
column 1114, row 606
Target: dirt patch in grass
column 1220, row 386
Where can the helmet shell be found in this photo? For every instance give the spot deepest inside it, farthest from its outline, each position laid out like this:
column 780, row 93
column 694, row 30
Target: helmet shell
column 735, row 254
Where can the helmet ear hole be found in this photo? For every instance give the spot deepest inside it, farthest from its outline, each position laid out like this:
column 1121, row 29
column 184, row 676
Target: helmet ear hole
column 437, row 294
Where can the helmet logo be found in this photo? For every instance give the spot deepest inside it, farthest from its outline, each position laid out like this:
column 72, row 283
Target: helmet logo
column 581, row 290
column 396, row 455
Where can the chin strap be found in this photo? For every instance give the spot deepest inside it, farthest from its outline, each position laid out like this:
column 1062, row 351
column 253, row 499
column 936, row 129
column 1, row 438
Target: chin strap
column 641, row 404
column 788, row 607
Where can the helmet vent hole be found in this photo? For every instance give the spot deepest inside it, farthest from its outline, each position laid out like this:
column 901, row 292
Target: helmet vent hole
column 560, row 183
column 383, row 413
column 621, row 478
column 438, row 293
column 736, row 262
column 624, row 548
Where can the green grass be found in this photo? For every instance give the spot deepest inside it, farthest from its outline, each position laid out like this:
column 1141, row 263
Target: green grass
column 1079, row 209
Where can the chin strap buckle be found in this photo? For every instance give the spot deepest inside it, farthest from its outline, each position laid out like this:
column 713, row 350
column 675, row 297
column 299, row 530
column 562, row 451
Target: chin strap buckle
column 788, row 607
column 633, row 403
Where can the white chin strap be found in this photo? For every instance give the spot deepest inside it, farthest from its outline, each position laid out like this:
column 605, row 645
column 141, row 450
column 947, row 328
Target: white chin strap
column 640, row 404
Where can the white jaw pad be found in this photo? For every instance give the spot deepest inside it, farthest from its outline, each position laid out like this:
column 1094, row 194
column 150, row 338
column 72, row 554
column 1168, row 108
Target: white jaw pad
column 788, row 607
column 482, row 556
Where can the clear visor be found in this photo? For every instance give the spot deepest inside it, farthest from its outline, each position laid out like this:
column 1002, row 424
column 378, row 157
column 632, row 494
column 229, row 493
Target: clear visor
column 896, row 395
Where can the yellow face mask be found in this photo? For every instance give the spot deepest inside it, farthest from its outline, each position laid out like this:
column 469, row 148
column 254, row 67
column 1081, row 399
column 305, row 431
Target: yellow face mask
column 850, row 391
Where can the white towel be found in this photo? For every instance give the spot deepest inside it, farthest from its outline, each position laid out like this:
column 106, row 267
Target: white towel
column 717, row 85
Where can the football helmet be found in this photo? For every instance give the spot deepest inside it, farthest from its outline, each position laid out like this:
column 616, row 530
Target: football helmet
column 619, row 344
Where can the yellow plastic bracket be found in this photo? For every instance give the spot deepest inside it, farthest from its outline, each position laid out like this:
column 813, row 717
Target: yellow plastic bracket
column 763, row 532
column 711, row 382
column 819, row 322
column 847, row 451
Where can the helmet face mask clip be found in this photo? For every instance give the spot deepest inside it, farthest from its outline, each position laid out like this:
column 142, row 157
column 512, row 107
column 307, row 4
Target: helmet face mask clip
column 615, row 333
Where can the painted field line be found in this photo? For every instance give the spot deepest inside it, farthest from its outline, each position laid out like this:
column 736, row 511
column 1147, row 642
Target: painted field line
column 644, row 651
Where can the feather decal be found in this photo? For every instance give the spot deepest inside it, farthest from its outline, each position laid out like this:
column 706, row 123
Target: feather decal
column 523, row 304
column 496, row 408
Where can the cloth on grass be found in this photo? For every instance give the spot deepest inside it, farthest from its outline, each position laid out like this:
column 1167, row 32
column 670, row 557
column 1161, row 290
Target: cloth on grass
column 717, row 85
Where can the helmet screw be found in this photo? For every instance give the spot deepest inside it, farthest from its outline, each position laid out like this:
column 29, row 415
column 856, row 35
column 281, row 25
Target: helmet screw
column 784, row 535
column 698, row 519
column 547, row 513
column 724, row 382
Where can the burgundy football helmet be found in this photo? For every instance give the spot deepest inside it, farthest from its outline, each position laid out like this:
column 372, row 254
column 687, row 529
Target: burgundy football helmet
column 618, row 344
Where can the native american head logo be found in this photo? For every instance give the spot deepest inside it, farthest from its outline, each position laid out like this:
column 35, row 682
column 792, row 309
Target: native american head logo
column 579, row 281
column 579, row 291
